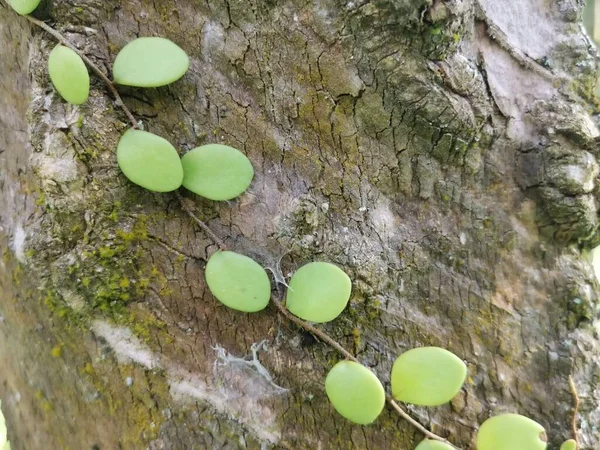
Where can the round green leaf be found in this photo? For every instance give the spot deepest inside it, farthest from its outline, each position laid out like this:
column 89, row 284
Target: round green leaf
column 427, row 376
column 355, row 392
column 569, row 445
column 216, row 171
column 69, row 75
column 24, row 6
column 238, row 281
column 511, row 432
column 4, row 445
column 149, row 161
column 150, row 62
column 318, row 292
column 430, row 444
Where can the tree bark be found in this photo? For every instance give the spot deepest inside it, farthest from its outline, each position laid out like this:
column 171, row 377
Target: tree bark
column 443, row 152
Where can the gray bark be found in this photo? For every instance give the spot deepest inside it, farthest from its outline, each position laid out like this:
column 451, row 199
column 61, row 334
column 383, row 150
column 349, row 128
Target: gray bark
column 442, row 152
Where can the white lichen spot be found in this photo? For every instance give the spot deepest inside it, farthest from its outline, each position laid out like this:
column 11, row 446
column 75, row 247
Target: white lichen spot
column 56, row 164
column 213, row 38
column 127, row 347
column 18, row 242
column 463, row 238
column 383, row 218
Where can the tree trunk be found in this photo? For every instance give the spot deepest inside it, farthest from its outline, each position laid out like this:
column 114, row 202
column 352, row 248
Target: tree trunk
column 443, row 152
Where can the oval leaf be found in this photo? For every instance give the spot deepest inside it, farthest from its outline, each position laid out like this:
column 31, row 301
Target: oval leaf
column 430, row 444
column 318, row 292
column 3, row 433
column 69, row 75
column 511, row 432
column 149, row 161
column 150, row 62
column 238, row 281
column 569, row 445
column 24, row 6
column 355, row 392
column 427, row 376
column 216, row 171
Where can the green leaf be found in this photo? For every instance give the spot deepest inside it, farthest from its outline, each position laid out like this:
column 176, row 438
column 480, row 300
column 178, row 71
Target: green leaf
column 355, row 392
column 3, row 433
column 430, row 444
column 569, row 445
column 238, row 281
column 318, row 292
column 216, row 171
column 69, row 75
column 511, row 432
column 427, row 376
column 149, row 161
column 24, row 6
column 150, row 62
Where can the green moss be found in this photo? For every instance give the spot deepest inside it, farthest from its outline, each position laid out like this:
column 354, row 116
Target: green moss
column 356, row 340
column 56, row 352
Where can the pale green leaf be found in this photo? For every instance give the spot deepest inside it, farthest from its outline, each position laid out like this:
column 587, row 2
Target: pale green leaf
column 24, row 6
column 149, row 161
column 237, row 281
column 69, row 75
column 427, row 376
column 569, row 445
column 355, row 392
column 150, row 62
column 216, row 171
column 4, row 445
column 430, row 444
column 511, row 432
column 318, row 292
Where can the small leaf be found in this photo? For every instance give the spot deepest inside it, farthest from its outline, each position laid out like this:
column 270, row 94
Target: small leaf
column 318, row 292
column 355, row 392
column 216, row 171
column 150, row 62
column 24, row 6
column 427, row 376
column 3, row 432
column 571, row 444
column 149, row 161
column 430, row 444
column 69, row 75
column 511, row 432
column 237, row 281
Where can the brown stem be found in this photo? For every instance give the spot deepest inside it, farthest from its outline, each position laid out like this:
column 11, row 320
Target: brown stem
column 333, row 343
column 576, row 403
column 308, row 327
column 216, row 239
column 94, row 67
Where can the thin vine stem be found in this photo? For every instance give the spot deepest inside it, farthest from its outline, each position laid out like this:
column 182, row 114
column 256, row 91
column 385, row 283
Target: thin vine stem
column 278, row 305
column 111, row 87
column 185, row 206
column 576, row 403
column 336, row 345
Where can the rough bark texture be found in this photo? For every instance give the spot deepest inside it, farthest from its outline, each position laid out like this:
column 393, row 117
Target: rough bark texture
column 442, row 152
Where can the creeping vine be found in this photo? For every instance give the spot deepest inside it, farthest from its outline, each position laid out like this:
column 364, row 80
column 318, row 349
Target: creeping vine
column 427, row 376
